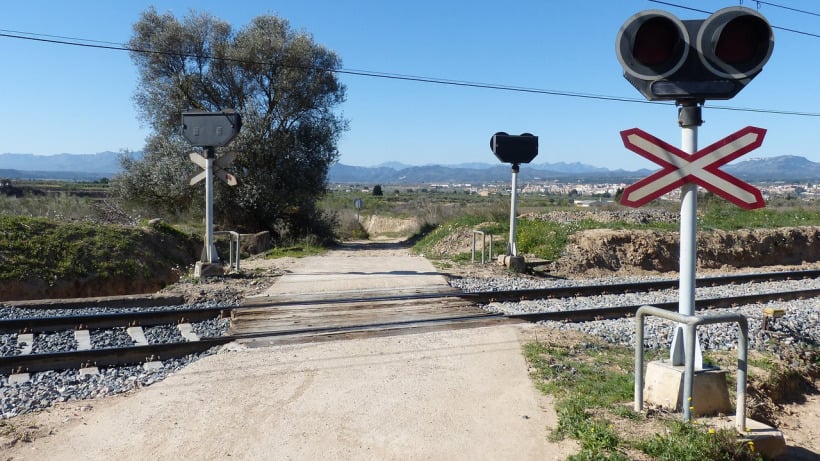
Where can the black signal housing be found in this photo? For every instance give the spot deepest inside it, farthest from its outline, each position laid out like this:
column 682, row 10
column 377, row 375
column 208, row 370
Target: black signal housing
column 666, row 58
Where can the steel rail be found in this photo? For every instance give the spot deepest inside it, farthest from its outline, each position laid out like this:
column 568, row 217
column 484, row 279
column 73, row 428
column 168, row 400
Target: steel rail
column 105, row 357
column 109, row 320
column 545, row 293
column 128, row 355
column 608, row 313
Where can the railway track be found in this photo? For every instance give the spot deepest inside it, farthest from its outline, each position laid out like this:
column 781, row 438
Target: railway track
column 465, row 314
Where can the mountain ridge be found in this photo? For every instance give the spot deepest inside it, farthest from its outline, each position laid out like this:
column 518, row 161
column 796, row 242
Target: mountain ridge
column 90, row 167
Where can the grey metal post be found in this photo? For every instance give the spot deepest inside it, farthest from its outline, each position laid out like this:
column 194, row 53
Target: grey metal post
column 511, row 249
column 689, row 372
column 210, row 248
column 638, row 390
column 689, row 119
column 742, row 359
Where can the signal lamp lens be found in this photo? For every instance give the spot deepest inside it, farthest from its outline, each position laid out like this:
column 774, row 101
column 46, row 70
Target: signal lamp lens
column 657, row 42
column 742, row 40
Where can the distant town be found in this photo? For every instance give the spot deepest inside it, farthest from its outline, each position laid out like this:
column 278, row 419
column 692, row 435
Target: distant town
column 583, row 193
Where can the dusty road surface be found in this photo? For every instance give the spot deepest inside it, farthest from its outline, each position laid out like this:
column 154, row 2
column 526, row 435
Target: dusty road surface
column 452, row 395
column 445, row 395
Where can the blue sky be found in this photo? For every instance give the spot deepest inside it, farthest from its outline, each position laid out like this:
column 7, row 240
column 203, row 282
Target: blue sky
column 58, row 98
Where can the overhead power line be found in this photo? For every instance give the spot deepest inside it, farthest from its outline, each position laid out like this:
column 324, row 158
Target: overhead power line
column 786, row 29
column 788, row 8
column 98, row 44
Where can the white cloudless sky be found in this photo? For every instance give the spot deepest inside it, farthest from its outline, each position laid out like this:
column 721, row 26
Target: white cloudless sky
column 67, row 99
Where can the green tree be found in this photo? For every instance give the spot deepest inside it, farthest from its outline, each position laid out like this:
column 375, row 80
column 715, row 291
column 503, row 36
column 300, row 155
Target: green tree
column 281, row 82
column 377, row 190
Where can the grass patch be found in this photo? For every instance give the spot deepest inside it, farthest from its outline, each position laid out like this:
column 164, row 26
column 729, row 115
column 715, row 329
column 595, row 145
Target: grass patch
column 46, row 250
column 295, row 251
column 593, row 384
column 725, row 216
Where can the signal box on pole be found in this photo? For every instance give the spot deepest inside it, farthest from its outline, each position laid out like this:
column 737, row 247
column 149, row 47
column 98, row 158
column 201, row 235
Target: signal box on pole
column 210, row 129
column 514, row 149
column 666, row 58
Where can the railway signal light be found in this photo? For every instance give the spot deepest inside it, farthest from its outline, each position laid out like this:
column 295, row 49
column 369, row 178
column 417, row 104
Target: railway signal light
column 514, row 149
column 210, row 129
column 666, row 58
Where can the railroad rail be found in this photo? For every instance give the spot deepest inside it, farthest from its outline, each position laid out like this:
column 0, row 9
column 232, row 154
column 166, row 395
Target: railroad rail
column 140, row 354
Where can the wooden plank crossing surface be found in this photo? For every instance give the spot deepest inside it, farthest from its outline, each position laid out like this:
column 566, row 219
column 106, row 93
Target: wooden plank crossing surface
column 349, row 292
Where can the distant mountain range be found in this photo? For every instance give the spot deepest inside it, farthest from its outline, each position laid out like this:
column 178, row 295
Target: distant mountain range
column 785, row 168
column 106, row 165
column 76, row 167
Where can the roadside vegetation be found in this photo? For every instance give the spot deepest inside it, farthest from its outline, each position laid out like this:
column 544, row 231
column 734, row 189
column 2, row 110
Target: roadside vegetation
column 592, row 383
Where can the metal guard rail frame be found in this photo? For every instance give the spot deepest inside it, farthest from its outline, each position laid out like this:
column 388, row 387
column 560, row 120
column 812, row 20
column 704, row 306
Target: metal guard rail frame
column 690, row 323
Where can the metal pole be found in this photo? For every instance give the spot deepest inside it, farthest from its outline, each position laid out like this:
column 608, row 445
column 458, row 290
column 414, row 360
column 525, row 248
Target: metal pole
column 210, row 248
column 689, row 119
column 742, row 369
column 638, row 403
column 511, row 250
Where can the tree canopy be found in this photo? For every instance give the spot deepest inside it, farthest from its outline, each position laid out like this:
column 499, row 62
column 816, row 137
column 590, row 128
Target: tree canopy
column 281, row 82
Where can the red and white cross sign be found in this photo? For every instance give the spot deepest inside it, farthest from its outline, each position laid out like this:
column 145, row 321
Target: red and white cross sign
column 702, row 167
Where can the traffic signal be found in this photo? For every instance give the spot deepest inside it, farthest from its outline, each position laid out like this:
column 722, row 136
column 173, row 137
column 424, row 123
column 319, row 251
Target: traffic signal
column 666, row 58
column 514, row 149
column 210, row 129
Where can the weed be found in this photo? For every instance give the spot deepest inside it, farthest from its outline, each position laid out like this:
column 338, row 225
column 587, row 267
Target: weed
column 592, row 383
column 295, row 251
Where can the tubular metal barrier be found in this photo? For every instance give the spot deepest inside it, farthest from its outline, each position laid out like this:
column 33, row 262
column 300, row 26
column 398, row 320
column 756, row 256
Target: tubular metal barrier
column 233, row 248
column 691, row 322
column 484, row 236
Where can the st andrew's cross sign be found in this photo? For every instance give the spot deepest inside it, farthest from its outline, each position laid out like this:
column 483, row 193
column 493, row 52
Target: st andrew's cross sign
column 701, row 167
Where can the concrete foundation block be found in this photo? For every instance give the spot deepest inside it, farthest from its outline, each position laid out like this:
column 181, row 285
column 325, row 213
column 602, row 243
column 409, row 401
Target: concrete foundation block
column 513, row 263
column 767, row 440
column 663, row 386
column 205, row 270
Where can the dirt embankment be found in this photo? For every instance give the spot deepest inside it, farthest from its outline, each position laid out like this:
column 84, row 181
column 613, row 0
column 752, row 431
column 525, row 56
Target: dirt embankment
column 144, row 262
column 627, row 251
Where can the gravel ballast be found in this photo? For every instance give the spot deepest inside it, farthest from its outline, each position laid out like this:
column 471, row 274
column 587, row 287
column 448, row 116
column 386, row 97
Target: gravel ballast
column 799, row 326
column 43, row 389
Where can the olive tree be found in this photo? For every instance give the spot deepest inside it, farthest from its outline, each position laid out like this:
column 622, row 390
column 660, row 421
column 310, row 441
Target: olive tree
column 283, row 85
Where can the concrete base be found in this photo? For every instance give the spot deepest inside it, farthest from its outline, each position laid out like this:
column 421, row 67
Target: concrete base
column 203, row 270
column 663, row 386
column 513, row 263
column 767, row 440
